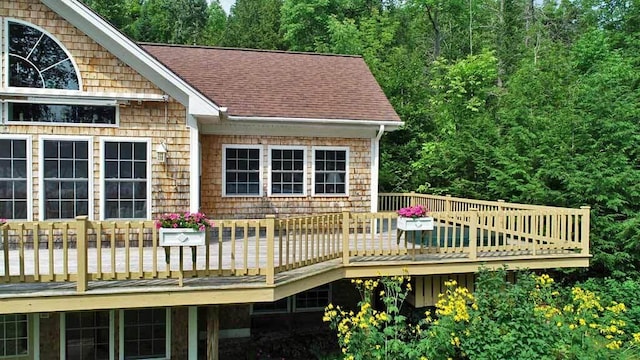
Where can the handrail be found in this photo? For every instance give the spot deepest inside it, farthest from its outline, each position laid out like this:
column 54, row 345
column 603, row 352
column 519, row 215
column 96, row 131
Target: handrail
column 81, row 250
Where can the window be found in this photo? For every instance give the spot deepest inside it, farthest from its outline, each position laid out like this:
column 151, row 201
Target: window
column 330, row 171
column 14, row 338
column 13, row 178
column 51, row 113
column 274, row 307
column 287, row 171
column 145, row 333
column 126, row 177
column 37, row 60
column 314, row 299
column 242, row 171
column 65, row 178
column 87, row 335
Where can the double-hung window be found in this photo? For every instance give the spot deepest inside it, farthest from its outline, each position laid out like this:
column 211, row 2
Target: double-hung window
column 66, row 177
column 242, row 173
column 126, row 179
column 287, row 175
column 14, row 163
column 87, row 335
column 145, row 333
column 330, row 171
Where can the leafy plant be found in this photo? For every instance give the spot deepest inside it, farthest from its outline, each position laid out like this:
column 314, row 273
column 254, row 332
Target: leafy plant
column 197, row 221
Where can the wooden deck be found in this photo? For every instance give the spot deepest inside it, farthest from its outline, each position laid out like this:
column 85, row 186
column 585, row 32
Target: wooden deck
column 119, row 264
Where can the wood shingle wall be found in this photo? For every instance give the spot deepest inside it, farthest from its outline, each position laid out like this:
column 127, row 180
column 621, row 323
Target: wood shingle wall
column 256, row 207
column 101, row 71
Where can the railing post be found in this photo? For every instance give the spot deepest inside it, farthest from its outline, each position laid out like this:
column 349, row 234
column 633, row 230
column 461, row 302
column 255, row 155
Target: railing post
column 584, row 231
column 447, row 203
column 501, row 222
column 271, row 225
column 345, row 238
column 81, row 253
column 412, row 198
column 473, row 234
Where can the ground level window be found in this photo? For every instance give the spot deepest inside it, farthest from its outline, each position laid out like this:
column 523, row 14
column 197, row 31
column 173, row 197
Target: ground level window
column 66, row 179
column 87, row 335
column 330, row 171
column 145, row 333
column 275, row 307
column 242, row 171
column 13, row 179
column 314, row 299
column 14, row 340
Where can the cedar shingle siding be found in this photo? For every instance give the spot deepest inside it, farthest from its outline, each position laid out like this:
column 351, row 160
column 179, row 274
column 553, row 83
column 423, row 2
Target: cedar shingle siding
column 103, row 72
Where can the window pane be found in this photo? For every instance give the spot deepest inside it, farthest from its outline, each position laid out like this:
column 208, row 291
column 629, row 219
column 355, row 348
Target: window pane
column 242, row 175
column 66, row 173
column 61, row 76
column 330, row 175
column 145, row 333
column 23, row 74
column 126, row 187
column 23, row 38
column 76, row 114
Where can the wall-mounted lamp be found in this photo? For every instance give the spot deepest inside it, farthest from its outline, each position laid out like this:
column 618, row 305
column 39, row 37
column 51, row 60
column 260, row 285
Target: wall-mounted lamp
column 161, row 153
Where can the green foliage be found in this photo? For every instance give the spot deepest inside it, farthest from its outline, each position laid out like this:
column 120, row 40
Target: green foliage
column 531, row 318
column 253, row 24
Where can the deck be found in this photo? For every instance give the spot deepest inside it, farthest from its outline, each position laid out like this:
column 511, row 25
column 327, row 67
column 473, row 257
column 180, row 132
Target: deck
column 113, row 263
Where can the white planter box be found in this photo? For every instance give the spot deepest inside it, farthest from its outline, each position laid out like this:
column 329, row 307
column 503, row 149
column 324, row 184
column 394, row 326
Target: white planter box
column 181, row 237
column 409, row 224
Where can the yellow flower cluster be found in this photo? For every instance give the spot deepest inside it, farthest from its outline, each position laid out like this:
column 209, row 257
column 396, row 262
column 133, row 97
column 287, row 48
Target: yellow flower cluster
column 454, row 302
column 544, row 280
column 587, row 300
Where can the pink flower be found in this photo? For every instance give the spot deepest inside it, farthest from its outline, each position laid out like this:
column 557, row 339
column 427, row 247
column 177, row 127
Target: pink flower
column 413, row 211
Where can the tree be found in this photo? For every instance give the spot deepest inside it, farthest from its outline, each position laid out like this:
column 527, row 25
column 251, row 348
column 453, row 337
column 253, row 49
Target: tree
column 254, row 24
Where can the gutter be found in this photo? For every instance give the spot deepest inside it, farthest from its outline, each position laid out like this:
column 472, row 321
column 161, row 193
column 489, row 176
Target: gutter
column 393, row 125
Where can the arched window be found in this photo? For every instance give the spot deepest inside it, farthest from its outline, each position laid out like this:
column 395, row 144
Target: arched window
column 37, row 60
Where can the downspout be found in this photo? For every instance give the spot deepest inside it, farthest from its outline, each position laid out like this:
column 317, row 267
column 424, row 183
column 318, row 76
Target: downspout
column 375, row 164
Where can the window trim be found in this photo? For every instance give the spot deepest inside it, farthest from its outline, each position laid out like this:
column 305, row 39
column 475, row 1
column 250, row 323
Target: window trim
column 121, row 333
column 29, row 145
column 224, row 169
column 304, row 170
column 102, row 186
column 63, row 334
column 91, row 170
column 72, row 102
column 5, row 38
column 347, row 170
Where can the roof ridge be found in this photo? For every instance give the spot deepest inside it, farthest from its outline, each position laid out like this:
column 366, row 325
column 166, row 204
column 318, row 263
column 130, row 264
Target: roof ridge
column 247, row 49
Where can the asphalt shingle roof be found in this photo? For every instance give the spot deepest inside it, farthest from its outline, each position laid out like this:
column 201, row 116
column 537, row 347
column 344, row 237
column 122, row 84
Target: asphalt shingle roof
column 257, row 83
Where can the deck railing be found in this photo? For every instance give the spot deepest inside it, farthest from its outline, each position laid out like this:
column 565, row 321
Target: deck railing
column 81, row 250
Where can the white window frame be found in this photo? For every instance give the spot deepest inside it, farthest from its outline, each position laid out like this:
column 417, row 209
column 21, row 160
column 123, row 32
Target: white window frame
column 103, row 140
column 79, row 102
column 167, row 334
column 347, row 170
column 91, row 170
column 112, row 336
column 29, row 144
column 304, row 169
column 260, row 148
column 5, row 39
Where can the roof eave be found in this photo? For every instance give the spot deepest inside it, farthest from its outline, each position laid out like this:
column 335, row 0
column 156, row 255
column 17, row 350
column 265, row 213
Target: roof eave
column 389, row 125
column 133, row 55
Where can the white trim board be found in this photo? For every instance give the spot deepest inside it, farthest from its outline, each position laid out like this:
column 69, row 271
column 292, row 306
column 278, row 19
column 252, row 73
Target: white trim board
column 133, row 55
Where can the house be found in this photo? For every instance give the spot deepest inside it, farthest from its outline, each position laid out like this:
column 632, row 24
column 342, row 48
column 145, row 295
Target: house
column 99, row 135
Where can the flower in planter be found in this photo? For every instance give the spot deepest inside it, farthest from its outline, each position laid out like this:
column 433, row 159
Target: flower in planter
column 196, row 221
column 417, row 211
column 2, row 221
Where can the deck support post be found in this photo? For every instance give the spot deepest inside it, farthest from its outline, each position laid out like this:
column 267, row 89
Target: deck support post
column 345, row 238
column 585, row 226
column 81, row 250
column 271, row 225
column 192, row 327
column 213, row 332
column 473, row 234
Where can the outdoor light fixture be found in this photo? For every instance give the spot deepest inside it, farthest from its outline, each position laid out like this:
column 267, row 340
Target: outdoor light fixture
column 161, row 152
